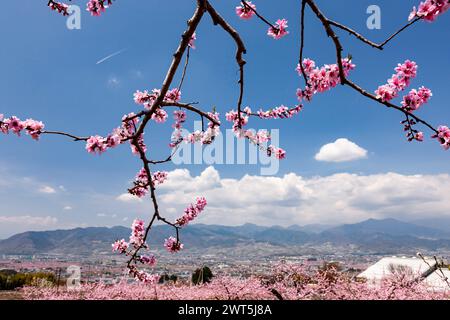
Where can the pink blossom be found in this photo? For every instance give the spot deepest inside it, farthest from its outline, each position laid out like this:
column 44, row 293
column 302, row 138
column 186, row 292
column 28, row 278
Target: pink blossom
column 59, row 6
column 398, row 82
column 15, row 125
column 429, row 10
column 173, row 95
column 159, row 177
column 308, row 66
column 113, row 140
column 142, row 97
column 120, row 245
column 415, row 99
column 419, row 136
column 191, row 43
column 245, row 12
column 96, row 7
column 322, row 79
column 141, row 144
column 280, row 112
column 160, row 115
column 172, row 245
column 148, row 260
column 278, row 152
column 34, row 128
column 96, row 144
column 137, row 233
column 279, row 30
column 443, row 136
column 192, row 211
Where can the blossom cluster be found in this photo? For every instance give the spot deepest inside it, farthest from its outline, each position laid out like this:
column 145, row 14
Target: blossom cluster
column 246, row 11
column 281, row 112
column 261, row 136
column 321, row 79
column 98, row 144
column 32, row 127
column 416, row 98
column 204, row 137
column 141, row 184
column 192, row 211
column 411, row 133
column 277, row 152
column 289, row 281
column 443, row 136
column 173, row 245
column 429, row 10
column 148, row 98
column 179, row 117
column 59, row 7
column 137, row 242
column 398, row 82
column 142, row 276
column 277, row 31
column 96, row 7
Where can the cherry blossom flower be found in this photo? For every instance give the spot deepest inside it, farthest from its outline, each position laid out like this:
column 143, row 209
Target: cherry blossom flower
column 96, row 7
column 192, row 211
column 160, row 115
column 415, row 99
column 443, row 136
column 148, row 260
column 137, row 233
column 120, row 245
column 245, row 11
column 278, row 152
column 429, row 10
column 398, row 82
column 280, row 29
column 59, row 6
column 321, row 79
column 96, row 144
column 191, row 43
column 172, row 245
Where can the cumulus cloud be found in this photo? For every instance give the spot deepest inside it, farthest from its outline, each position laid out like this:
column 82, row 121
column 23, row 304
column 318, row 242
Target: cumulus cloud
column 292, row 199
column 67, row 208
column 126, row 197
column 47, row 189
column 340, row 151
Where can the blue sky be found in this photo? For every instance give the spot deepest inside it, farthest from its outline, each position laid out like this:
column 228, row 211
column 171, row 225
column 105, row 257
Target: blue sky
column 50, row 73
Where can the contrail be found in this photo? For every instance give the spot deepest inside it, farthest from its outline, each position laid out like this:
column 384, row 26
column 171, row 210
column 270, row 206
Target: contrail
column 110, row 56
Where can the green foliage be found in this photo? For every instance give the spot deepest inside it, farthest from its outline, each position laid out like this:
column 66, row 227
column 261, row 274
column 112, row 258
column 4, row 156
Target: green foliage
column 202, row 275
column 12, row 280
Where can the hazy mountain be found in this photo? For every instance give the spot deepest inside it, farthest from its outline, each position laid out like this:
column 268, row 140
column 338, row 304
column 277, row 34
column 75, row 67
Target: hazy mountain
column 388, row 235
column 389, row 227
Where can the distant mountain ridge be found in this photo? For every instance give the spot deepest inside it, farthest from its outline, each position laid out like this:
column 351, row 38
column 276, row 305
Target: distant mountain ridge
column 372, row 235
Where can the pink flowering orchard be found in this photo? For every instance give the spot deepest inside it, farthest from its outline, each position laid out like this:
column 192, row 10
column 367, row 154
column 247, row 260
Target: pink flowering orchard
column 157, row 106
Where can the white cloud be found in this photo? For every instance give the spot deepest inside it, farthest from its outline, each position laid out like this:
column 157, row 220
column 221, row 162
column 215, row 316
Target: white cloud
column 341, row 150
column 29, row 220
column 67, row 208
column 47, row 189
column 126, row 197
column 292, row 199
column 113, row 81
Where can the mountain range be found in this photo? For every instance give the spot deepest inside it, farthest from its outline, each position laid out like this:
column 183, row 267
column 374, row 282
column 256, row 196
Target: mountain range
column 379, row 236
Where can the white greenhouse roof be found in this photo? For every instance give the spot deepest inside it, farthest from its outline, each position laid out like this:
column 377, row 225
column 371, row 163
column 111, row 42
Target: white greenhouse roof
column 385, row 266
column 435, row 280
